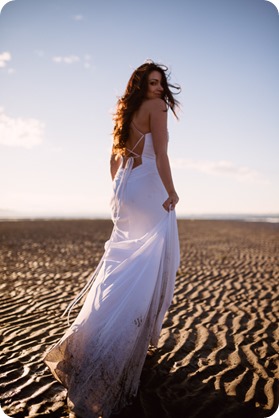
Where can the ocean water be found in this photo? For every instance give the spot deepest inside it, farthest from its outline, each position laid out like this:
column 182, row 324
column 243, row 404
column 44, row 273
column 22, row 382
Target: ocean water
column 269, row 218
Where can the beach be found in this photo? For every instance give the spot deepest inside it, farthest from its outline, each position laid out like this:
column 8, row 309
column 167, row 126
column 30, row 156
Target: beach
column 218, row 354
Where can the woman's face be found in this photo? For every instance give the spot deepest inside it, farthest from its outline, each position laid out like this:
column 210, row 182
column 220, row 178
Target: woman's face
column 154, row 88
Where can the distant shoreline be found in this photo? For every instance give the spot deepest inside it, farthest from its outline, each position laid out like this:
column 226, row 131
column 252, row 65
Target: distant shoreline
column 269, row 218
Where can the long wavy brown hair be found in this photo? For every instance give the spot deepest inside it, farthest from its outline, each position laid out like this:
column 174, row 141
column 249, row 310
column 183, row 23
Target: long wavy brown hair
column 133, row 97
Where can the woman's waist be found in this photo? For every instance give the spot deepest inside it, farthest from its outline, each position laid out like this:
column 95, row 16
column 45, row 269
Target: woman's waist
column 146, row 166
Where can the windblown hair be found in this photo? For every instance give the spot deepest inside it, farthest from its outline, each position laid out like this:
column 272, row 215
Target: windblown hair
column 133, row 97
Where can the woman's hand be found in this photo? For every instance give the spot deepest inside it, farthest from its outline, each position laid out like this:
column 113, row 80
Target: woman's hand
column 171, row 201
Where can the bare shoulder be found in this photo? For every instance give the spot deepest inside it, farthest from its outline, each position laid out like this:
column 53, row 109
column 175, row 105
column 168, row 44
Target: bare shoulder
column 155, row 105
column 150, row 110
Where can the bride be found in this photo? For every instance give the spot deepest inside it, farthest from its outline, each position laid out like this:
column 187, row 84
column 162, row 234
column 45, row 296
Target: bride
column 100, row 358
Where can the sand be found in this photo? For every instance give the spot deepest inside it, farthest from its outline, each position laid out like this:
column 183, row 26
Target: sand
column 218, row 351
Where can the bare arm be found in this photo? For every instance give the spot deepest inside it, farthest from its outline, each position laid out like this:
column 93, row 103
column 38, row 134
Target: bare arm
column 115, row 161
column 158, row 126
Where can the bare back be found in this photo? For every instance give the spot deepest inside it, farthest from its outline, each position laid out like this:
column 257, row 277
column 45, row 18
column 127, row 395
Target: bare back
column 140, row 126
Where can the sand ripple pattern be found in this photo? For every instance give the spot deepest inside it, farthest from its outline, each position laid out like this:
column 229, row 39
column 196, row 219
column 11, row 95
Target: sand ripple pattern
column 218, row 352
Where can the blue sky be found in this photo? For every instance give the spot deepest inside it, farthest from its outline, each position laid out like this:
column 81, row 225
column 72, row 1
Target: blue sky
column 63, row 63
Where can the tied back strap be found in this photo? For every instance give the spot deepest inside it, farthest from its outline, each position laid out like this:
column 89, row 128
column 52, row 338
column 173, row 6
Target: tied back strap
column 131, row 151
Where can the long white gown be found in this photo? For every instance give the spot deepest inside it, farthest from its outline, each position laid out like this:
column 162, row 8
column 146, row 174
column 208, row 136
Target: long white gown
column 100, row 357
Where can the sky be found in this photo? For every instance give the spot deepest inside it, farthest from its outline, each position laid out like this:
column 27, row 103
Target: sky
column 64, row 63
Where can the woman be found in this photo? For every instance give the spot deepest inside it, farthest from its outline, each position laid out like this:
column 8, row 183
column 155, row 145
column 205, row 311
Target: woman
column 100, row 358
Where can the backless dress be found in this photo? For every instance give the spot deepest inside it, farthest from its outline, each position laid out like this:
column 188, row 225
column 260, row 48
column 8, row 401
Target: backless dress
column 100, row 357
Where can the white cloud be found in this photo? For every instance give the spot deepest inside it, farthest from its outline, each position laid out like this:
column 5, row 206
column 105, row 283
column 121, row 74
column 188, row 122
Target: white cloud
column 20, row 132
column 5, row 57
column 222, row 167
column 68, row 59
column 85, row 60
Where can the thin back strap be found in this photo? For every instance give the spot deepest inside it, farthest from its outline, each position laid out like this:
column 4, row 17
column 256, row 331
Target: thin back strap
column 137, row 128
column 142, row 136
column 138, row 141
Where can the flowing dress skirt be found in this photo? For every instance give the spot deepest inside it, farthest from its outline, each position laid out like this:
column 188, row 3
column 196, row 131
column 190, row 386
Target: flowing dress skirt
column 100, row 357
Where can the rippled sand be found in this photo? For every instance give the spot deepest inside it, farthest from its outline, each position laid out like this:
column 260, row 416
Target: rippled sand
column 218, row 352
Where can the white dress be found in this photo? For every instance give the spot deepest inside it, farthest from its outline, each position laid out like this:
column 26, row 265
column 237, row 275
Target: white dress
column 100, row 357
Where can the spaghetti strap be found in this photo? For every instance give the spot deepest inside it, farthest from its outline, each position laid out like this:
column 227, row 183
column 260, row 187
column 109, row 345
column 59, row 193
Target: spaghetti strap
column 137, row 128
column 138, row 141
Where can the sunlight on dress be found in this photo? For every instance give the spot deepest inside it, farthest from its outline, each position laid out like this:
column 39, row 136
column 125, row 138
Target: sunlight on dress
column 100, row 357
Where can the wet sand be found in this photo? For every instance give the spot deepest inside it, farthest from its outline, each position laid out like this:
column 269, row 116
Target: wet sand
column 218, row 351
